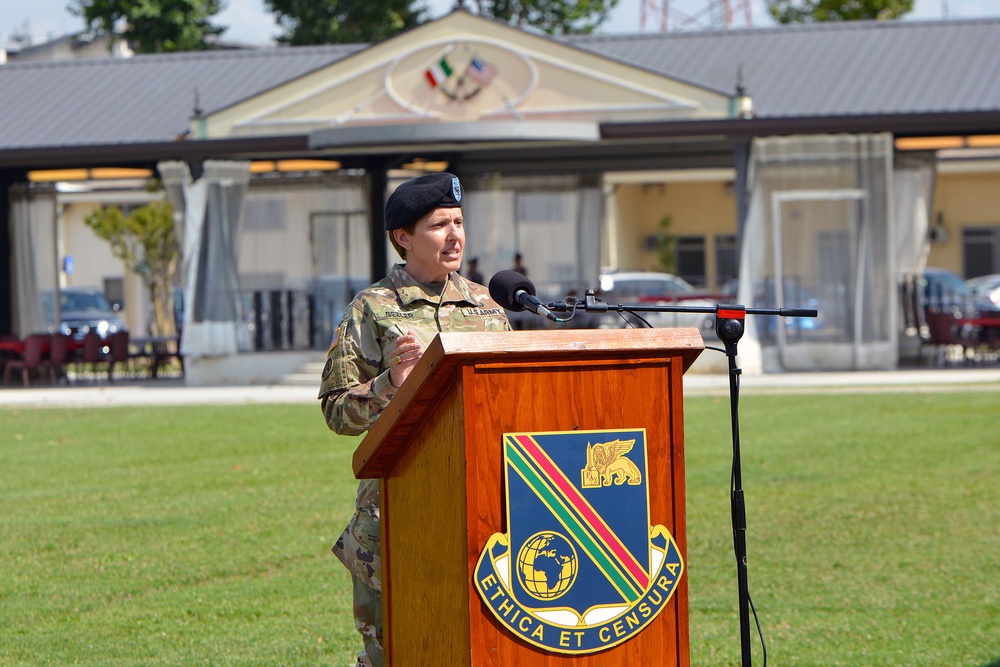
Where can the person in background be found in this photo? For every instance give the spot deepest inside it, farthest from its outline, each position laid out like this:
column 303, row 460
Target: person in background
column 381, row 337
column 520, row 320
column 519, row 265
column 473, row 273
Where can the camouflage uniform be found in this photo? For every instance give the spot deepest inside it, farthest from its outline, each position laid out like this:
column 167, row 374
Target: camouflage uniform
column 356, row 388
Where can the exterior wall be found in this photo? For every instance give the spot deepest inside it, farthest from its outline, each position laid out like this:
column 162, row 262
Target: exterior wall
column 277, row 254
column 93, row 261
column 71, row 48
column 698, row 208
column 277, row 246
column 280, row 255
column 963, row 199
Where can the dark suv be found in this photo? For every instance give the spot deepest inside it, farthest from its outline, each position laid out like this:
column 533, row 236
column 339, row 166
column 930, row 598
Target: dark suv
column 82, row 309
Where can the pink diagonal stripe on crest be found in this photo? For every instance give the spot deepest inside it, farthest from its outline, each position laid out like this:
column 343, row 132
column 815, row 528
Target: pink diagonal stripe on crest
column 596, row 523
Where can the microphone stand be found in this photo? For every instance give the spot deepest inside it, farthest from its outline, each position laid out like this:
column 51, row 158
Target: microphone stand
column 729, row 327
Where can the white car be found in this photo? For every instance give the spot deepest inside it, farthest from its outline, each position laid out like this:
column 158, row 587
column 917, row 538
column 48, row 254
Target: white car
column 647, row 288
column 987, row 286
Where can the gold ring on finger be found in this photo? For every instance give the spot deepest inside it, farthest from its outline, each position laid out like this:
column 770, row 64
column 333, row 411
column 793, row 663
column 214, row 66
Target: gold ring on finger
column 398, row 360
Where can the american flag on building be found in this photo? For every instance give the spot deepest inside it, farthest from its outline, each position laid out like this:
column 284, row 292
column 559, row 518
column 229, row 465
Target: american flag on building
column 480, row 71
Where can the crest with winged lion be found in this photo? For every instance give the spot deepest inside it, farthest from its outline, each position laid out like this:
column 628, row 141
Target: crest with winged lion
column 607, row 465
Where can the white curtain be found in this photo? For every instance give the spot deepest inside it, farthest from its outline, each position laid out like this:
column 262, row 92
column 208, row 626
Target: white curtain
column 820, row 233
column 33, row 266
column 213, row 311
column 913, row 187
column 176, row 177
column 554, row 222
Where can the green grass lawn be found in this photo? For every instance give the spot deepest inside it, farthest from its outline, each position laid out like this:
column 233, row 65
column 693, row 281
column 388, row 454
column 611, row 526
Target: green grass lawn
column 202, row 535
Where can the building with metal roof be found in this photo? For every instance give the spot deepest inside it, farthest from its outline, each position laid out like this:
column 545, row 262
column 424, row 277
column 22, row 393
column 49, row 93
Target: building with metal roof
column 85, row 107
column 620, row 120
column 820, row 72
column 850, row 68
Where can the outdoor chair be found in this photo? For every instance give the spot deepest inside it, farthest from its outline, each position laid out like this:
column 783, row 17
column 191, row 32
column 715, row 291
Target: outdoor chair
column 31, row 361
column 91, row 355
column 165, row 349
column 58, row 356
column 945, row 340
column 118, row 353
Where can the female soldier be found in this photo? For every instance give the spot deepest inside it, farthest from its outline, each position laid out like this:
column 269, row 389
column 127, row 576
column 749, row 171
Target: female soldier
column 382, row 336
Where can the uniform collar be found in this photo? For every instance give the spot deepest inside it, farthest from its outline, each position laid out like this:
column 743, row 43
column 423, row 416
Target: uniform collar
column 409, row 290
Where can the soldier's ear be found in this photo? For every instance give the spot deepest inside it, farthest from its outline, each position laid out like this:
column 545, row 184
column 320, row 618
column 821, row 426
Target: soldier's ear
column 402, row 238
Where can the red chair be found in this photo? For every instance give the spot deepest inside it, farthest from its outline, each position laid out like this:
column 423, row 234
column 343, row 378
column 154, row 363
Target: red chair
column 32, row 361
column 118, row 352
column 58, row 356
column 92, row 353
column 944, row 339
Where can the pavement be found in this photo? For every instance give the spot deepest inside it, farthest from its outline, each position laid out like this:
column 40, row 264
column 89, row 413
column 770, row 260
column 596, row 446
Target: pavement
column 173, row 391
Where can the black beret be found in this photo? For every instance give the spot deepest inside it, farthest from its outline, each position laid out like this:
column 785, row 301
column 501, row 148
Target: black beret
column 419, row 196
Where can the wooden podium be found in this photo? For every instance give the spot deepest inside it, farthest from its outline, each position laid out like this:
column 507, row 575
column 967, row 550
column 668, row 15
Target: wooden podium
column 437, row 450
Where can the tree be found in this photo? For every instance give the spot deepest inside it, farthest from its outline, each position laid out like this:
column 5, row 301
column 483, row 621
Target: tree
column 342, row 21
column 144, row 241
column 551, row 16
column 153, row 26
column 353, row 21
column 666, row 245
column 812, row 11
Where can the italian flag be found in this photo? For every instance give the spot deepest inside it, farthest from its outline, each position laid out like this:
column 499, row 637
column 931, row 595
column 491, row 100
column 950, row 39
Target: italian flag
column 438, row 72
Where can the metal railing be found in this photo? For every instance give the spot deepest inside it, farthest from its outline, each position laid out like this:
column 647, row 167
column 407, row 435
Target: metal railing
column 283, row 320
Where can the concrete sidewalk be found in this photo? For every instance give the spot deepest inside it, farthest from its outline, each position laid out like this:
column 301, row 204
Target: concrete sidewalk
column 174, row 392
column 152, row 392
column 904, row 380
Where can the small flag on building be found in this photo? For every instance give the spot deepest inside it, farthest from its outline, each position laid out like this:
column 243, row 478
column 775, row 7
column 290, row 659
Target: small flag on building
column 481, row 72
column 438, row 72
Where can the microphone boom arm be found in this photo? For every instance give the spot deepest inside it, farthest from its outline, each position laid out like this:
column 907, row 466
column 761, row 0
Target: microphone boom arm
column 592, row 304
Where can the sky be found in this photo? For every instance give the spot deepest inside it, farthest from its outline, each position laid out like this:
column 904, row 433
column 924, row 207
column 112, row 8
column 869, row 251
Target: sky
column 249, row 23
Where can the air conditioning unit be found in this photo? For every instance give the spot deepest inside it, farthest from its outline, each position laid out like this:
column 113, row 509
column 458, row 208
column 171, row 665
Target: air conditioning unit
column 938, row 234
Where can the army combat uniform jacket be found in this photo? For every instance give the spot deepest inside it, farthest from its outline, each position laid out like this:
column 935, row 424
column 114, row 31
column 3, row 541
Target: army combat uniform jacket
column 356, row 388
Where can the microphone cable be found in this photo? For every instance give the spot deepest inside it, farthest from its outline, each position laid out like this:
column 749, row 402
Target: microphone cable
column 734, row 472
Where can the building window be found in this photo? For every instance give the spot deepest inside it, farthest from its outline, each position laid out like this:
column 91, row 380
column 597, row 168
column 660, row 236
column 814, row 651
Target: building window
column 726, row 261
column 114, row 290
column 540, row 207
column 691, row 259
column 980, row 251
column 264, row 215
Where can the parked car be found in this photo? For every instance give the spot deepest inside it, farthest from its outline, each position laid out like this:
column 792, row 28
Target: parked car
column 647, row 288
column 945, row 291
column 986, row 286
column 82, row 309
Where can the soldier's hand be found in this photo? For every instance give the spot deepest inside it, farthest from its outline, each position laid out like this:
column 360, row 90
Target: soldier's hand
column 404, row 357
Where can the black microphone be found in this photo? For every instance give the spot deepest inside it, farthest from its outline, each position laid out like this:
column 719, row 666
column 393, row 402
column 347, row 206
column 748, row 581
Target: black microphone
column 515, row 292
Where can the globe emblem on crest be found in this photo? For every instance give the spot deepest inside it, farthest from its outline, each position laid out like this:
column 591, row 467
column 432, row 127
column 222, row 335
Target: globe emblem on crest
column 546, row 565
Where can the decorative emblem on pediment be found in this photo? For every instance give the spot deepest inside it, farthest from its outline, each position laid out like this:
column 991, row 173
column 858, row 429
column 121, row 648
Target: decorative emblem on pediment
column 465, row 76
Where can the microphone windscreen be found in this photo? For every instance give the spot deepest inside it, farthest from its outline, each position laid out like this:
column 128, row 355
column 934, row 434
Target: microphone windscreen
column 505, row 284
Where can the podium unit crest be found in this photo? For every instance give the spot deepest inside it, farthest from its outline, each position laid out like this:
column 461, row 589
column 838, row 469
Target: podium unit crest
column 580, row 569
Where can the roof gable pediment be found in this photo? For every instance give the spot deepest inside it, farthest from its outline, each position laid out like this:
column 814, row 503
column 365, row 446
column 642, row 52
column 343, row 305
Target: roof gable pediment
column 464, row 68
